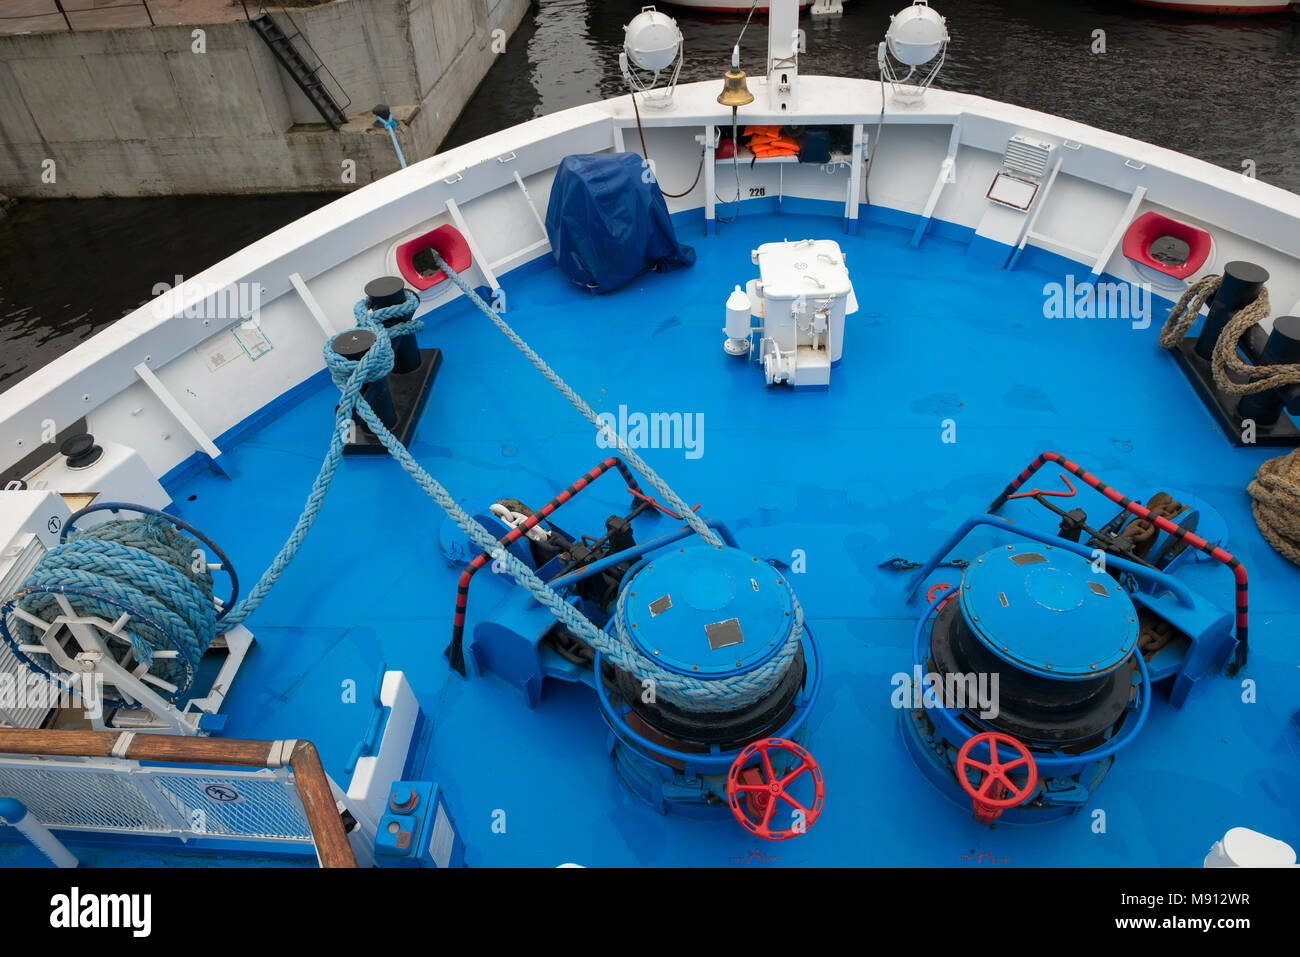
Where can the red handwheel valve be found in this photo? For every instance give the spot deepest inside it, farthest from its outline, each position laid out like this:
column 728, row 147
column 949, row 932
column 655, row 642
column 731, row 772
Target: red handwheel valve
column 761, row 793
column 934, row 591
column 995, row 791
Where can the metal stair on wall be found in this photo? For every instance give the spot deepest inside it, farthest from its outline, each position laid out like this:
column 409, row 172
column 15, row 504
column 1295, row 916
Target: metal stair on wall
column 304, row 74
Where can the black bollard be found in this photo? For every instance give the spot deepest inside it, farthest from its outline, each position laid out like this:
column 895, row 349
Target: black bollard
column 1282, row 347
column 80, row 451
column 391, row 291
column 353, row 345
column 1242, row 282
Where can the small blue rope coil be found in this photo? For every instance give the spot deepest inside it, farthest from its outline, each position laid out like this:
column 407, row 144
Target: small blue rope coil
column 146, row 567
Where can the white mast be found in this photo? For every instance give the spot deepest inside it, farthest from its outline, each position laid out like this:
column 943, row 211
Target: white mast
column 783, row 42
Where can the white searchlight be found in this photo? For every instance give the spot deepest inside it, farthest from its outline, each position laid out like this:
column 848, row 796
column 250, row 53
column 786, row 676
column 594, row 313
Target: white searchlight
column 913, row 50
column 651, row 44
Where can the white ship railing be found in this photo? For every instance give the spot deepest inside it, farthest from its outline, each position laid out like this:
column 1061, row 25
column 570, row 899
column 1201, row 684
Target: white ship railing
column 150, row 382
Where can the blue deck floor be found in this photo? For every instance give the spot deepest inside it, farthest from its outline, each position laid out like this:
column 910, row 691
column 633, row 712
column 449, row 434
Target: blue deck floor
column 852, row 476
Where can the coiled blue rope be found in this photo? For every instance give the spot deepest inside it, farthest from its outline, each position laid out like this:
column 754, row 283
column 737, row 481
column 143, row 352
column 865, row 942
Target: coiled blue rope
column 145, row 565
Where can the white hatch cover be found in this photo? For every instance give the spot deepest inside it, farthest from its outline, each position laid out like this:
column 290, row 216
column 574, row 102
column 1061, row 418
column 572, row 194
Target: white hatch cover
column 812, row 268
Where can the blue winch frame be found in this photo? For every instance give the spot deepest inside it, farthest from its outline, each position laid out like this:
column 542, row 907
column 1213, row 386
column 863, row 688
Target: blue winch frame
column 690, row 784
column 1208, row 627
column 953, row 729
column 508, row 648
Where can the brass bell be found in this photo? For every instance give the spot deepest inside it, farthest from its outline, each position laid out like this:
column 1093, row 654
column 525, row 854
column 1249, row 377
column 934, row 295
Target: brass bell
column 734, row 91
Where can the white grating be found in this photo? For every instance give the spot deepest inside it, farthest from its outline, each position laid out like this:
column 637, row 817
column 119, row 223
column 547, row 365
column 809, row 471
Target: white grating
column 258, row 804
column 115, row 795
column 86, row 797
column 1027, row 156
column 16, row 564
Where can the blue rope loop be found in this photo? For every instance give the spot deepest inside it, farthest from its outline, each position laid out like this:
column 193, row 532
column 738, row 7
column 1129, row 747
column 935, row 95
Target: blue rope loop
column 144, row 567
column 717, row 694
column 350, row 375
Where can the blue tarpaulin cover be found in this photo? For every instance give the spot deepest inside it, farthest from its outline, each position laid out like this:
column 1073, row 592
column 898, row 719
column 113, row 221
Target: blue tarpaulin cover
column 607, row 224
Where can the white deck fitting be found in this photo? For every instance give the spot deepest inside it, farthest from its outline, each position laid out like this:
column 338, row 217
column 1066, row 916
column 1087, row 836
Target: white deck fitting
column 947, row 174
column 313, row 306
column 178, row 411
column 237, row 641
column 1043, row 194
column 1121, row 227
column 476, row 251
column 375, row 773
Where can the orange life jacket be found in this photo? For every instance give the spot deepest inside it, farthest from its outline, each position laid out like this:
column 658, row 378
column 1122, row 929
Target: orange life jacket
column 767, row 141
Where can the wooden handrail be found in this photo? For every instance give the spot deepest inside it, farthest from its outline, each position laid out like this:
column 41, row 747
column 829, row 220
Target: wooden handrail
column 313, row 785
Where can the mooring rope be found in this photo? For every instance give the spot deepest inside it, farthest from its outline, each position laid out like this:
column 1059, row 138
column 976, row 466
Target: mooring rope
column 379, row 360
column 1187, row 309
column 350, row 375
column 701, row 695
column 147, row 565
column 1275, row 502
column 1224, row 360
column 1275, row 490
column 696, row 523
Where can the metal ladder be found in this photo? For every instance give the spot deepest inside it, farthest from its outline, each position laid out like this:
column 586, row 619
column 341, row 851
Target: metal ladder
column 304, row 74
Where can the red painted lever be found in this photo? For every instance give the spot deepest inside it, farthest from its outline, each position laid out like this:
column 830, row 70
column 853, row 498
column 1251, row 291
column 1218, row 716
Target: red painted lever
column 1038, row 491
column 649, row 500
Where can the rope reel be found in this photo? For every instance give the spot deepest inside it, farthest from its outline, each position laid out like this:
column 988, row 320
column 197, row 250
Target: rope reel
column 139, row 591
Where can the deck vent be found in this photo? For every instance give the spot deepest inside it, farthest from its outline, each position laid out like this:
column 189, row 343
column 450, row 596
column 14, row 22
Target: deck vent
column 17, row 563
column 1027, row 156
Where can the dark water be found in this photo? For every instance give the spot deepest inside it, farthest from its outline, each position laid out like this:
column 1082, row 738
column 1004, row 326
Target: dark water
column 1226, row 90
column 71, row 267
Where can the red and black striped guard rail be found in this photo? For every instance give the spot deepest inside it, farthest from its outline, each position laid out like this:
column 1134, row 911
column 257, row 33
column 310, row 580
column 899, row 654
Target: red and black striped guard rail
column 1141, row 511
column 455, row 651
